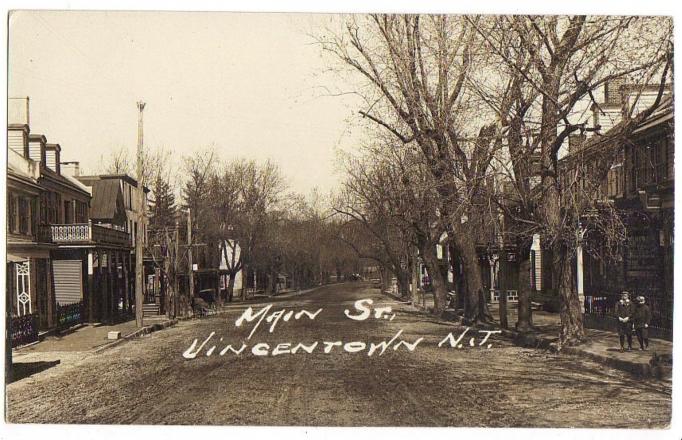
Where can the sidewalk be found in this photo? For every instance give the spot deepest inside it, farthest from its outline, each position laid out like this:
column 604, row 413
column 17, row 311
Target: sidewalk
column 602, row 346
column 57, row 352
column 282, row 294
column 85, row 338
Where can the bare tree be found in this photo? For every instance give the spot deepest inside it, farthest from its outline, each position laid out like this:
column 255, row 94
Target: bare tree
column 415, row 72
column 240, row 198
column 551, row 69
column 366, row 199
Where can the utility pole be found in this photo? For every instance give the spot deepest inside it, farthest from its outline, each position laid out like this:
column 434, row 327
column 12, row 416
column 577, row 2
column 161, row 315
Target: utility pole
column 175, row 269
column 189, row 253
column 139, row 282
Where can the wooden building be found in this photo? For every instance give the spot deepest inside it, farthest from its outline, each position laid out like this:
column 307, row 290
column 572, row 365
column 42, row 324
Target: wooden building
column 62, row 267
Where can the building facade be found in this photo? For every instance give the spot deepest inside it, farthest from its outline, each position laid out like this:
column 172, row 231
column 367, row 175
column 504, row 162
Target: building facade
column 62, row 267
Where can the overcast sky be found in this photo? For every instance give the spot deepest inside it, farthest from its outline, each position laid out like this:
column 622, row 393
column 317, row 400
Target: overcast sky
column 249, row 84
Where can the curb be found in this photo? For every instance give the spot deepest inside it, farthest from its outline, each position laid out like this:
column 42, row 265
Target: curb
column 639, row 369
column 136, row 334
column 531, row 340
column 69, row 330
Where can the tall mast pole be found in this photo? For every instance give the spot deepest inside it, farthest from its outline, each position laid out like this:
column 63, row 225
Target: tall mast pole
column 190, row 264
column 139, row 281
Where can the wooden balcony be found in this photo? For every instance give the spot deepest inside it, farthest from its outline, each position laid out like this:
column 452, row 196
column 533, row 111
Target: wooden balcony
column 84, row 233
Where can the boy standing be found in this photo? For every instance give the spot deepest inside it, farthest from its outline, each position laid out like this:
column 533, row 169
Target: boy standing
column 624, row 313
column 641, row 316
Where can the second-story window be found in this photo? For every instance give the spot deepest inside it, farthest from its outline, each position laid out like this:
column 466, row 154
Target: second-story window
column 50, row 207
column 44, row 207
column 68, row 212
column 12, row 213
column 81, row 212
column 59, row 217
column 24, row 216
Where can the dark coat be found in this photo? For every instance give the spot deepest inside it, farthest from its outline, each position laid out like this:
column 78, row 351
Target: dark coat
column 641, row 314
column 624, row 310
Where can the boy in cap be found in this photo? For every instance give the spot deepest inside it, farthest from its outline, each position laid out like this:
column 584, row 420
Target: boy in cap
column 641, row 316
column 624, row 311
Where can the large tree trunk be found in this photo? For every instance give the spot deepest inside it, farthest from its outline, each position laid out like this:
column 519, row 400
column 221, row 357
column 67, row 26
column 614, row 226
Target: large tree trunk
column 271, row 288
column 572, row 331
column 385, row 278
column 504, row 318
column 230, row 286
column 403, row 277
column 475, row 304
column 437, row 281
column 524, row 321
column 415, row 279
column 216, row 285
column 245, row 283
column 563, row 282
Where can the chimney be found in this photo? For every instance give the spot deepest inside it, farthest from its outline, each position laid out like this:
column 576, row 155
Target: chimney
column 17, row 126
column 575, row 141
column 52, row 153
column 17, row 111
column 71, row 168
column 614, row 91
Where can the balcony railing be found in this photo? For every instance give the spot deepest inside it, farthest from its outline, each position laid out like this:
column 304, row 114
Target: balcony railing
column 85, row 233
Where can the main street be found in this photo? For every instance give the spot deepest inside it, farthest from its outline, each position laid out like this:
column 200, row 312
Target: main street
column 149, row 381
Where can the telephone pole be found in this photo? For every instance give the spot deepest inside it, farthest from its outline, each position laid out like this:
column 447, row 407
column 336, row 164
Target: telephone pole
column 175, row 269
column 139, row 281
column 189, row 254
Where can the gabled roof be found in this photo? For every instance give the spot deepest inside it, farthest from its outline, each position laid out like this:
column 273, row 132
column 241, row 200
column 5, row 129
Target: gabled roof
column 663, row 114
column 124, row 177
column 106, row 195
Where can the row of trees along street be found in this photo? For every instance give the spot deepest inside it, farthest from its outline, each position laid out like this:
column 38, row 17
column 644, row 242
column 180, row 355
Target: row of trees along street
column 469, row 117
column 242, row 214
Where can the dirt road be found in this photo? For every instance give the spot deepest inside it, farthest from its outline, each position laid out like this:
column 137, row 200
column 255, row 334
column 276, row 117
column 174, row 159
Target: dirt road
column 149, row 381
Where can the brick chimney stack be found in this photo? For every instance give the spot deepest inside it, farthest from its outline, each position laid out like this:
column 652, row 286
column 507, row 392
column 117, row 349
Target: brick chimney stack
column 614, row 91
column 575, row 141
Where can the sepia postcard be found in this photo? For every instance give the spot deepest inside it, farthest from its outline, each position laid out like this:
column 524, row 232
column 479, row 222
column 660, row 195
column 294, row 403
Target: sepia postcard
column 339, row 220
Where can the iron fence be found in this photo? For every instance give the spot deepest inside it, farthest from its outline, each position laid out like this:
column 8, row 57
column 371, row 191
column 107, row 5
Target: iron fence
column 69, row 315
column 600, row 311
column 24, row 329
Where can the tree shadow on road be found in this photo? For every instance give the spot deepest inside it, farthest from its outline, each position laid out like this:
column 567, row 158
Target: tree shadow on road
column 22, row 370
